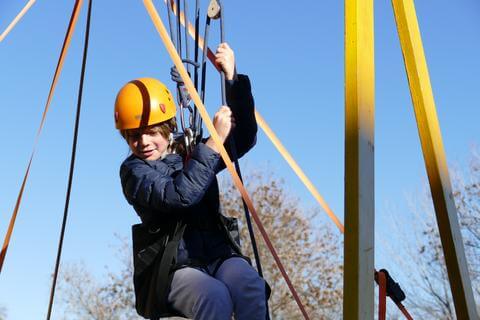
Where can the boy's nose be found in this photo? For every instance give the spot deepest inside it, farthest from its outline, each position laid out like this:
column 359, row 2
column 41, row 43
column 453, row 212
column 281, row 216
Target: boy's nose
column 143, row 140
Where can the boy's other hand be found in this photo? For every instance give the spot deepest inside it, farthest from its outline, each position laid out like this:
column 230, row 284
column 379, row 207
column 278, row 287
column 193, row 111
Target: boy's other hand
column 223, row 122
column 225, row 58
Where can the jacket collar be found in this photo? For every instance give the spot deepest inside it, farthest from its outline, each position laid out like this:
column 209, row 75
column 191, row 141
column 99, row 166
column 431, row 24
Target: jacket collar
column 171, row 161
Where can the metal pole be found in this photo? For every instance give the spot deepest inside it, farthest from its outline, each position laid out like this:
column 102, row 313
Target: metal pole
column 358, row 301
column 435, row 159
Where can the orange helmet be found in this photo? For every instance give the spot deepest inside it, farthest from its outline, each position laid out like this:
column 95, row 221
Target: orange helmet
column 143, row 102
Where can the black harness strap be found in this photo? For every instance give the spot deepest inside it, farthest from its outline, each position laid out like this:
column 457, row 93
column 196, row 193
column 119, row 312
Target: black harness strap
column 179, row 32
column 197, row 26
column 168, row 260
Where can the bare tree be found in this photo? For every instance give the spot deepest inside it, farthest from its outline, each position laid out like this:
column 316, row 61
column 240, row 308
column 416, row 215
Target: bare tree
column 3, row 313
column 311, row 255
column 84, row 297
column 428, row 282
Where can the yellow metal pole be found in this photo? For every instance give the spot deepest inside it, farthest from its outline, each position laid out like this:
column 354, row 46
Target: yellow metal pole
column 434, row 156
column 358, row 299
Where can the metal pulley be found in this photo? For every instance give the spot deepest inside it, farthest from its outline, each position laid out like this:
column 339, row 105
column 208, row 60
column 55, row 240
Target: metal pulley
column 214, row 10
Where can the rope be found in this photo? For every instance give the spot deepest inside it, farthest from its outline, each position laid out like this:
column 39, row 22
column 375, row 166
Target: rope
column 382, row 295
column 17, row 18
column 170, row 22
column 203, row 112
column 197, row 120
column 72, row 161
column 204, row 60
column 233, row 151
column 66, row 44
column 197, row 29
column 187, row 47
column 404, row 310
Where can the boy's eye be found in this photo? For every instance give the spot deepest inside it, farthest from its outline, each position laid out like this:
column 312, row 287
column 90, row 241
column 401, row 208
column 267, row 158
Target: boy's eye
column 134, row 135
column 150, row 132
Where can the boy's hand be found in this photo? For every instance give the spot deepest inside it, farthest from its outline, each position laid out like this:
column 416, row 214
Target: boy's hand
column 223, row 123
column 225, row 58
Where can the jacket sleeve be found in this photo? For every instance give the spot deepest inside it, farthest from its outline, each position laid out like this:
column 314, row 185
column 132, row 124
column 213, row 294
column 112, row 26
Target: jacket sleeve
column 240, row 100
column 153, row 188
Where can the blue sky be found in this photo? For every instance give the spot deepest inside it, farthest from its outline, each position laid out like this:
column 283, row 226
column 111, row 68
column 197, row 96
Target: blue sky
column 293, row 53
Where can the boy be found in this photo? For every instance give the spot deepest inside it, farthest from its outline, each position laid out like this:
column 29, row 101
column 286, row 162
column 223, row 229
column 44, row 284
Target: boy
column 197, row 267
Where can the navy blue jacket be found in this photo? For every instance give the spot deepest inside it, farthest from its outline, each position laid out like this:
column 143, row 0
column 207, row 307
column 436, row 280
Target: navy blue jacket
column 167, row 190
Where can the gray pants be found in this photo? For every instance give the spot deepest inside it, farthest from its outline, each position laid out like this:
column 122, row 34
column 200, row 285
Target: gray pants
column 235, row 288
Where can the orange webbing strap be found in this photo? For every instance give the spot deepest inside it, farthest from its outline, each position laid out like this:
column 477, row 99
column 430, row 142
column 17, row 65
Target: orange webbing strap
column 271, row 135
column 404, row 310
column 17, row 18
column 208, row 123
column 381, row 279
column 66, row 43
column 293, row 164
column 382, row 295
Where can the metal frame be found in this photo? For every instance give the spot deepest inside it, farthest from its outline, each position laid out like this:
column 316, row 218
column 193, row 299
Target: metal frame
column 359, row 159
column 434, row 157
column 358, row 301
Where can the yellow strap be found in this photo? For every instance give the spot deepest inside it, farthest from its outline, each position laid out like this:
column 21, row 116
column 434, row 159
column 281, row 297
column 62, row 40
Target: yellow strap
column 66, row 44
column 17, row 18
column 293, row 164
column 273, row 138
column 208, row 123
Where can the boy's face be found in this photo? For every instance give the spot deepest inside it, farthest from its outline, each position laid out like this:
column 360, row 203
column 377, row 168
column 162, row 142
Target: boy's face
column 147, row 143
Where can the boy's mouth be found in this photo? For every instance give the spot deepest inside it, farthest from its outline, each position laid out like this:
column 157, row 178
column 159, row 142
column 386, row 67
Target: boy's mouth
column 147, row 153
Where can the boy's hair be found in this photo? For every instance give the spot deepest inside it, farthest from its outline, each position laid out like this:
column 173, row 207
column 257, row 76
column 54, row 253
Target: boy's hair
column 164, row 128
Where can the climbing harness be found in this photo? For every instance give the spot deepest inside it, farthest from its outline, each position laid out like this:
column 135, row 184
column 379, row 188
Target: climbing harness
column 150, row 288
column 72, row 161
